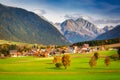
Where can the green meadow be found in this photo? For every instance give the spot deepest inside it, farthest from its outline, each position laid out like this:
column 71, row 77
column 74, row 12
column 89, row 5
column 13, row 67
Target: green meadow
column 36, row 68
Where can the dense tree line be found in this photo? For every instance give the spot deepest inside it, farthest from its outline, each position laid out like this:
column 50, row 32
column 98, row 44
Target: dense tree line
column 99, row 42
column 5, row 48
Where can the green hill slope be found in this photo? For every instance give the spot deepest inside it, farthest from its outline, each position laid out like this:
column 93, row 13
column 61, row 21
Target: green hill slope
column 17, row 24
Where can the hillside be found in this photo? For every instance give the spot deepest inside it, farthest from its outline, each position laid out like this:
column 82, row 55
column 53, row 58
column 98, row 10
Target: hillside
column 107, row 28
column 17, row 24
column 114, row 33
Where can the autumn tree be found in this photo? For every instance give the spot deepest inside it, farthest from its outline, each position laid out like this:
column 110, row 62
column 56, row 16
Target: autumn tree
column 93, row 61
column 96, row 55
column 66, row 60
column 118, row 52
column 57, row 59
column 107, row 61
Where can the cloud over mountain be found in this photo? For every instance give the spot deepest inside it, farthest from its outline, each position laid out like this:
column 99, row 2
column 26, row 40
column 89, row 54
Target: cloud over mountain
column 99, row 22
column 40, row 12
column 97, row 9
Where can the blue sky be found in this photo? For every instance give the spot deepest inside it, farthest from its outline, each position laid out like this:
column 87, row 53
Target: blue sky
column 99, row 12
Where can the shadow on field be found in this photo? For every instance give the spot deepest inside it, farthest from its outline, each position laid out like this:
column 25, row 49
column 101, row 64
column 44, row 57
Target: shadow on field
column 89, row 68
column 82, row 68
column 83, row 62
column 49, row 63
column 55, row 68
column 1, row 70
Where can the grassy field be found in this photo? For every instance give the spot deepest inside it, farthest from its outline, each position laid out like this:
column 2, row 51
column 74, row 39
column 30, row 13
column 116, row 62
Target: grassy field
column 34, row 68
column 11, row 42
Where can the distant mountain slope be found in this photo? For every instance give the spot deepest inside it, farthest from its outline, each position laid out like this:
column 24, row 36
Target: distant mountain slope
column 114, row 33
column 17, row 24
column 79, row 30
column 57, row 25
column 107, row 28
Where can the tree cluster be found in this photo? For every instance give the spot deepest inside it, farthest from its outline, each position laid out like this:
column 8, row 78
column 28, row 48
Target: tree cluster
column 5, row 48
column 99, row 42
column 64, row 60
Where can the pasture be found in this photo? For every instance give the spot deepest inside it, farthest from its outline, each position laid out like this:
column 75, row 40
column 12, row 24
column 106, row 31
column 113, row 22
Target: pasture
column 35, row 68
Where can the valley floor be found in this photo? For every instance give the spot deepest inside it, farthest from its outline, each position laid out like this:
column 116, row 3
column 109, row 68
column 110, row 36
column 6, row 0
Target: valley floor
column 35, row 68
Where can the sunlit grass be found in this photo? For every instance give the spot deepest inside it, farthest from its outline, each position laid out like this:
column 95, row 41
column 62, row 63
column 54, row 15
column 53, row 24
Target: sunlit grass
column 36, row 68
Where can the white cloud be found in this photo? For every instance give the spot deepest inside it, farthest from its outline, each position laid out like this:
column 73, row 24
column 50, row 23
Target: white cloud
column 106, row 22
column 40, row 12
column 99, row 22
column 75, row 16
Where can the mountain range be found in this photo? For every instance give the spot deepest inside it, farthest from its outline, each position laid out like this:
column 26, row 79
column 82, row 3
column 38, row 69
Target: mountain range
column 79, row 30
column 107, row 28
column 17, row 24
column 113, row 33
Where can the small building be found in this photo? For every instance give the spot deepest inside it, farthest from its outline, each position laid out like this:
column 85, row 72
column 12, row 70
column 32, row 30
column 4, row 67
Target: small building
column 75, row 49
column 86, row 45
column 85, row 48
column 13, row 53
column 2, row 56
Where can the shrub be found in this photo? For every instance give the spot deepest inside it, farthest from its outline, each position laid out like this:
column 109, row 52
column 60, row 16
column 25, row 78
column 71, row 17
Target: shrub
column 4, row 49
column 57, row 59
column 107, row 61
column 93, row 61
column 58, row 65
column 114, row 57
column 66, row 60
column 118, row 52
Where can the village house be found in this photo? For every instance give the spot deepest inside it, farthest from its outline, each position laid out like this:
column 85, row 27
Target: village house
column 13, row 53
column 2, row 56
column 85, row 48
